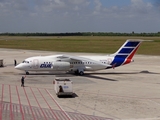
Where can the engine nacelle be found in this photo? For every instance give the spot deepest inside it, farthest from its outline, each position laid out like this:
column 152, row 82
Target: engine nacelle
column 62, row 66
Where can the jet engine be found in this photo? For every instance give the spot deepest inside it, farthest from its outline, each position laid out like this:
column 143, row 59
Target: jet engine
column 62, row 66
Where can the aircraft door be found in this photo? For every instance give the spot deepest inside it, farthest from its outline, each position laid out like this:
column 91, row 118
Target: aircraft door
column 35, row 63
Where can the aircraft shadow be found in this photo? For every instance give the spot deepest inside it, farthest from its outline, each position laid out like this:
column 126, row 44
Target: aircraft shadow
column 111, row 73
column 92, row 75
column 147, row 72
column 100, row 78
column 116, row 73
column 57, row 75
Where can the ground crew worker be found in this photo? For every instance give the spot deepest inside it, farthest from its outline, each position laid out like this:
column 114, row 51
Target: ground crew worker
column 61, row 89
column 22, row 81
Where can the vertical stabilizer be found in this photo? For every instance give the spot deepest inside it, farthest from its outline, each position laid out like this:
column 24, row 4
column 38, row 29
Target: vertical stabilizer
column 126, row 52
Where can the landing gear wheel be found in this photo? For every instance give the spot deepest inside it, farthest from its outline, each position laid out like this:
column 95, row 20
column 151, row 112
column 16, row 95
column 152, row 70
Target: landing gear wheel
column 27, row 73
column 81, row 73
column 76, row 72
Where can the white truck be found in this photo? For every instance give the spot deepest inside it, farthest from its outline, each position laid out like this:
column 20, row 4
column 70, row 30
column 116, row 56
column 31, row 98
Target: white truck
column 63, row 86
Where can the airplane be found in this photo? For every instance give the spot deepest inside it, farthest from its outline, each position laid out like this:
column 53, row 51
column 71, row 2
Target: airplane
column 79, row 64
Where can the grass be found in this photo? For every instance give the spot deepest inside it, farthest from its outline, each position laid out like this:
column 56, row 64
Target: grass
column 89, row 44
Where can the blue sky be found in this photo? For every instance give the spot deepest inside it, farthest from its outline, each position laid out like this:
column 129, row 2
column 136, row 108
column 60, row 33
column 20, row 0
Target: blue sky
column 55, row 16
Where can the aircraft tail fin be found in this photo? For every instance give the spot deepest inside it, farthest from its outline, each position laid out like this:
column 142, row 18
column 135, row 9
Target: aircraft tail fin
column 126, row 52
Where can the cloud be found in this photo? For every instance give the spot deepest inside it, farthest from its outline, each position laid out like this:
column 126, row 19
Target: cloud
column 51, row 5
column 60, row 5
column 72, row 7
column 77, row 2
column 138, row 6
column 98, row 5
column 77, row 15
column 15, row 4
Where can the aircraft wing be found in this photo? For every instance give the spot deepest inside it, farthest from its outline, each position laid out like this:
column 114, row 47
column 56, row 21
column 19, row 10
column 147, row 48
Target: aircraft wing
column 81, row 59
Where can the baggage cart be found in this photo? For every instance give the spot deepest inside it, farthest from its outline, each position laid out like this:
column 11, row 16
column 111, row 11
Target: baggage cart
column 63, row 86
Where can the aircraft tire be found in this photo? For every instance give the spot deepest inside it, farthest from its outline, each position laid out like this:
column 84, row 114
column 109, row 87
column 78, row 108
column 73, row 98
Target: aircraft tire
column 27, row 73
column 81, row 73
column 76, row 72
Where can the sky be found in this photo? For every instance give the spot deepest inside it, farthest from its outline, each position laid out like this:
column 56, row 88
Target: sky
column 61, row 16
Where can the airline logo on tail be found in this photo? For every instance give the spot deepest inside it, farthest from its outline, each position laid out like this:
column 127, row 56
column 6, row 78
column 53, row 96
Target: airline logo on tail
column 125, row 54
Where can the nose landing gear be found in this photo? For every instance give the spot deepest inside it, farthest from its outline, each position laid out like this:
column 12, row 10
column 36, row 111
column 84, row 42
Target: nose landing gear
column 27, row 73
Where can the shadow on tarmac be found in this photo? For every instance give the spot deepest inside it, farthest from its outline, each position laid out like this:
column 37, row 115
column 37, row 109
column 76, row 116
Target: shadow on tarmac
column 116, row 73
column 101, row 78
column 74, row 95
column 93, row 75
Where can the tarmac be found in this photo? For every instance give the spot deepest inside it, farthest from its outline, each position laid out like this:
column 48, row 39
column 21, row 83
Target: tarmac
column 130, row 92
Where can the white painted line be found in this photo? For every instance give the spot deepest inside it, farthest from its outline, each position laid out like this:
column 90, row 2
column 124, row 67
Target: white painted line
column 143, row 119
column 59, row 105
column 154, row 102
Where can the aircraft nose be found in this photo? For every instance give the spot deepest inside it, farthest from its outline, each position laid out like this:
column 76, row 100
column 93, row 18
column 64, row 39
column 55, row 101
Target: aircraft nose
column 19, row 66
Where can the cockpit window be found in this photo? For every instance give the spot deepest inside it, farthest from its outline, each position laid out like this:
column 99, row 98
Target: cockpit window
column 25, row 61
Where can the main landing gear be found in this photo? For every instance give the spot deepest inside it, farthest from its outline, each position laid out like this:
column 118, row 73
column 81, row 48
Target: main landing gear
column 79, row 72
column 27, row 73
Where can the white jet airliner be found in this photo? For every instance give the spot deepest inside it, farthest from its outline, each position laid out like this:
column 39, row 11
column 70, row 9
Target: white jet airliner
column 79, row 64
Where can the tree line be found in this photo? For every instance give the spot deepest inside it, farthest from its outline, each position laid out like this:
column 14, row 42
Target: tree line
column 84, row 34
